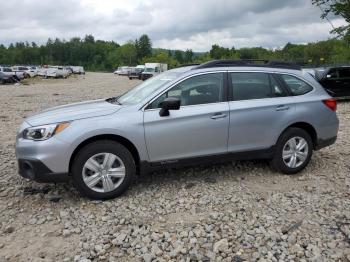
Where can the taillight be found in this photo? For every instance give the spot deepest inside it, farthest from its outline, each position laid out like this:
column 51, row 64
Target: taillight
column 331, row 104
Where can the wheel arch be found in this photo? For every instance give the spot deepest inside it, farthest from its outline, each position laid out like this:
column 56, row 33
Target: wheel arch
column 306, row 127
column 122, row 140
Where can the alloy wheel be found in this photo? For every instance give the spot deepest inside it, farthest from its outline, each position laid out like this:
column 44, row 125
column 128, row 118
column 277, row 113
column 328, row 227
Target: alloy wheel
column 103, row 172
column 295, row 152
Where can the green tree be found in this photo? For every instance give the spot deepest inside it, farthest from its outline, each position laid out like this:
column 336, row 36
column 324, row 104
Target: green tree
column 336, row 7
column 161, row 57
column 179, row 56
column 218, row 52
column 89, row 39
column 127, row 54
column 143, row 47
column 188, row 56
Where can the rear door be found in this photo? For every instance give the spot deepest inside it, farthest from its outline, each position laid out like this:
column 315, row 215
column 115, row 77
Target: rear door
column 198, row 128
column 260, row 108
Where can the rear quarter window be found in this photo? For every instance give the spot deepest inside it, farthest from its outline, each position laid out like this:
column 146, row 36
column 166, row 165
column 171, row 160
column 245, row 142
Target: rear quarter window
column 296, row 86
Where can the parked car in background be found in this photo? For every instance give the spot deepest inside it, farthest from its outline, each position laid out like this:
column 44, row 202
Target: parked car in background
column 42, row 71
column 57, row 72
column 7, row 78
column 70, row 70
column 335, row 80
column 152, row 69
column 8, row 71
column 136, row 72
column 34, row 70
column 78, row 70
column 196, row 114
column 27, row 71
column 123, row 70
column 117, row 71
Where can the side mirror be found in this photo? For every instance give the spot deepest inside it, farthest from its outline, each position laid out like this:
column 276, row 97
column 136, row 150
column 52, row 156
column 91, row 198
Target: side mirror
column 169, row 103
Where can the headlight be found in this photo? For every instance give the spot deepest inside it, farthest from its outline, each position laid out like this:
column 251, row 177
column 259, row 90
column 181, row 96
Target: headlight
column 39, row 133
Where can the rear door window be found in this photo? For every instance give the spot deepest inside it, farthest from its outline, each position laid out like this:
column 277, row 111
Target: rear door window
column 247, row 86
column 296, row 86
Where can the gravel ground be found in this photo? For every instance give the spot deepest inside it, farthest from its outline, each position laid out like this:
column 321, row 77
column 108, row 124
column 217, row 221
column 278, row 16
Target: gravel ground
column 238, row 211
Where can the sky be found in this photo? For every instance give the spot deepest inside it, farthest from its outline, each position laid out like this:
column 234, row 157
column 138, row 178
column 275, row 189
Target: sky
column 180, row 24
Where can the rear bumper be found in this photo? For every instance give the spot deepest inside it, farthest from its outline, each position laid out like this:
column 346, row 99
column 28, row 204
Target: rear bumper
column 35, row 170
column 321, row 143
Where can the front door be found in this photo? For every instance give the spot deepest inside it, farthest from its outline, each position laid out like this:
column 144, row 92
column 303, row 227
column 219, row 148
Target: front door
column 198, row 128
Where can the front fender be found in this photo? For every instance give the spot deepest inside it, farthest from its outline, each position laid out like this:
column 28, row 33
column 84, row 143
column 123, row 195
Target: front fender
column 84, row 129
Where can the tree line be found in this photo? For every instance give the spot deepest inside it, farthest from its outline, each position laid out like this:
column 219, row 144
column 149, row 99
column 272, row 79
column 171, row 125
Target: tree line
column 99, row 55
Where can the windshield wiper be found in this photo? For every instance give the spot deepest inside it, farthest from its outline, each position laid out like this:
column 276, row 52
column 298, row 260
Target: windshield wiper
column 113, row 100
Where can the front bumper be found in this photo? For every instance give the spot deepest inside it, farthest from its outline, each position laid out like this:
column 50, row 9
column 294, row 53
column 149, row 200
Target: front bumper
column 35, row 170
column 146, row 76
column 53, row 153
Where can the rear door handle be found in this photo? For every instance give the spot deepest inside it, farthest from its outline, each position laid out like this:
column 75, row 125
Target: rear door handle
column 282, row 108
column 218, row 115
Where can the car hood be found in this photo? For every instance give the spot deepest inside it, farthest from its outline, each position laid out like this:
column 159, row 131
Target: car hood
column 73, row 112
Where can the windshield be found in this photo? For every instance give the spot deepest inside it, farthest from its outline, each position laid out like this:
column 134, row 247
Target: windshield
column 149, row 69
column 142, row 91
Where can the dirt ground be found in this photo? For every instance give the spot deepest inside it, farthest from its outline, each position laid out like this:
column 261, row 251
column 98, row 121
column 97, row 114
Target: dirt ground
column 237, row 211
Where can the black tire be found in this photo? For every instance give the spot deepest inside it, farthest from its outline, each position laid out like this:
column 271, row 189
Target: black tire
column 277, row 162
column 103, row 146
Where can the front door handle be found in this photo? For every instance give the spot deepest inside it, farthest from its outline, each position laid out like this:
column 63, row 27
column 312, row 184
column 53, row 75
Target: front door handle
column 282, row 108
column 218, row 115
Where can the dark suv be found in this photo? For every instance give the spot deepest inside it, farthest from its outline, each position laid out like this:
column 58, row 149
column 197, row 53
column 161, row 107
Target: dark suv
column 336, row 80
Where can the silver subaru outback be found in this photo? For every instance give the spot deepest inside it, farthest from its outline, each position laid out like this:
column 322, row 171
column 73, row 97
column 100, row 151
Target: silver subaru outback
column 214, row 111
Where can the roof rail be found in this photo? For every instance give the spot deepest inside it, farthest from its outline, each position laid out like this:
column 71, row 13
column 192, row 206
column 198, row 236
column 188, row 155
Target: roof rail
column 250, row 62
column 184, row 65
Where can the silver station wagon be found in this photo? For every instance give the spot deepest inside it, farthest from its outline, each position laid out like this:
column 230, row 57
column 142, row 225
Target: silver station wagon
column 219, row 110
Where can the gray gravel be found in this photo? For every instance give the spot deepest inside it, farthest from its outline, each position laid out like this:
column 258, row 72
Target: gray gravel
column 237, row 211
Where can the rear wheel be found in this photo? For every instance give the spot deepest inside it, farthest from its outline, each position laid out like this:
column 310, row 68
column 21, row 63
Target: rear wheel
column 293, row 151
column 103, row 170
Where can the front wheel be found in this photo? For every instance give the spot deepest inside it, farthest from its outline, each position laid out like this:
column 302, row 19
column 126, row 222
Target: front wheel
column 293, row 151
column 103, row 170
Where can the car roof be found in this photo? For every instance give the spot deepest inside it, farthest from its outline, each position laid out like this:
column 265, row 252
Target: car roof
column 186, row 71
column 190, row 70
column 261, row 65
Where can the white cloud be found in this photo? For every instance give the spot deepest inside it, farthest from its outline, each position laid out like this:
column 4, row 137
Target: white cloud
column 180, row 24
